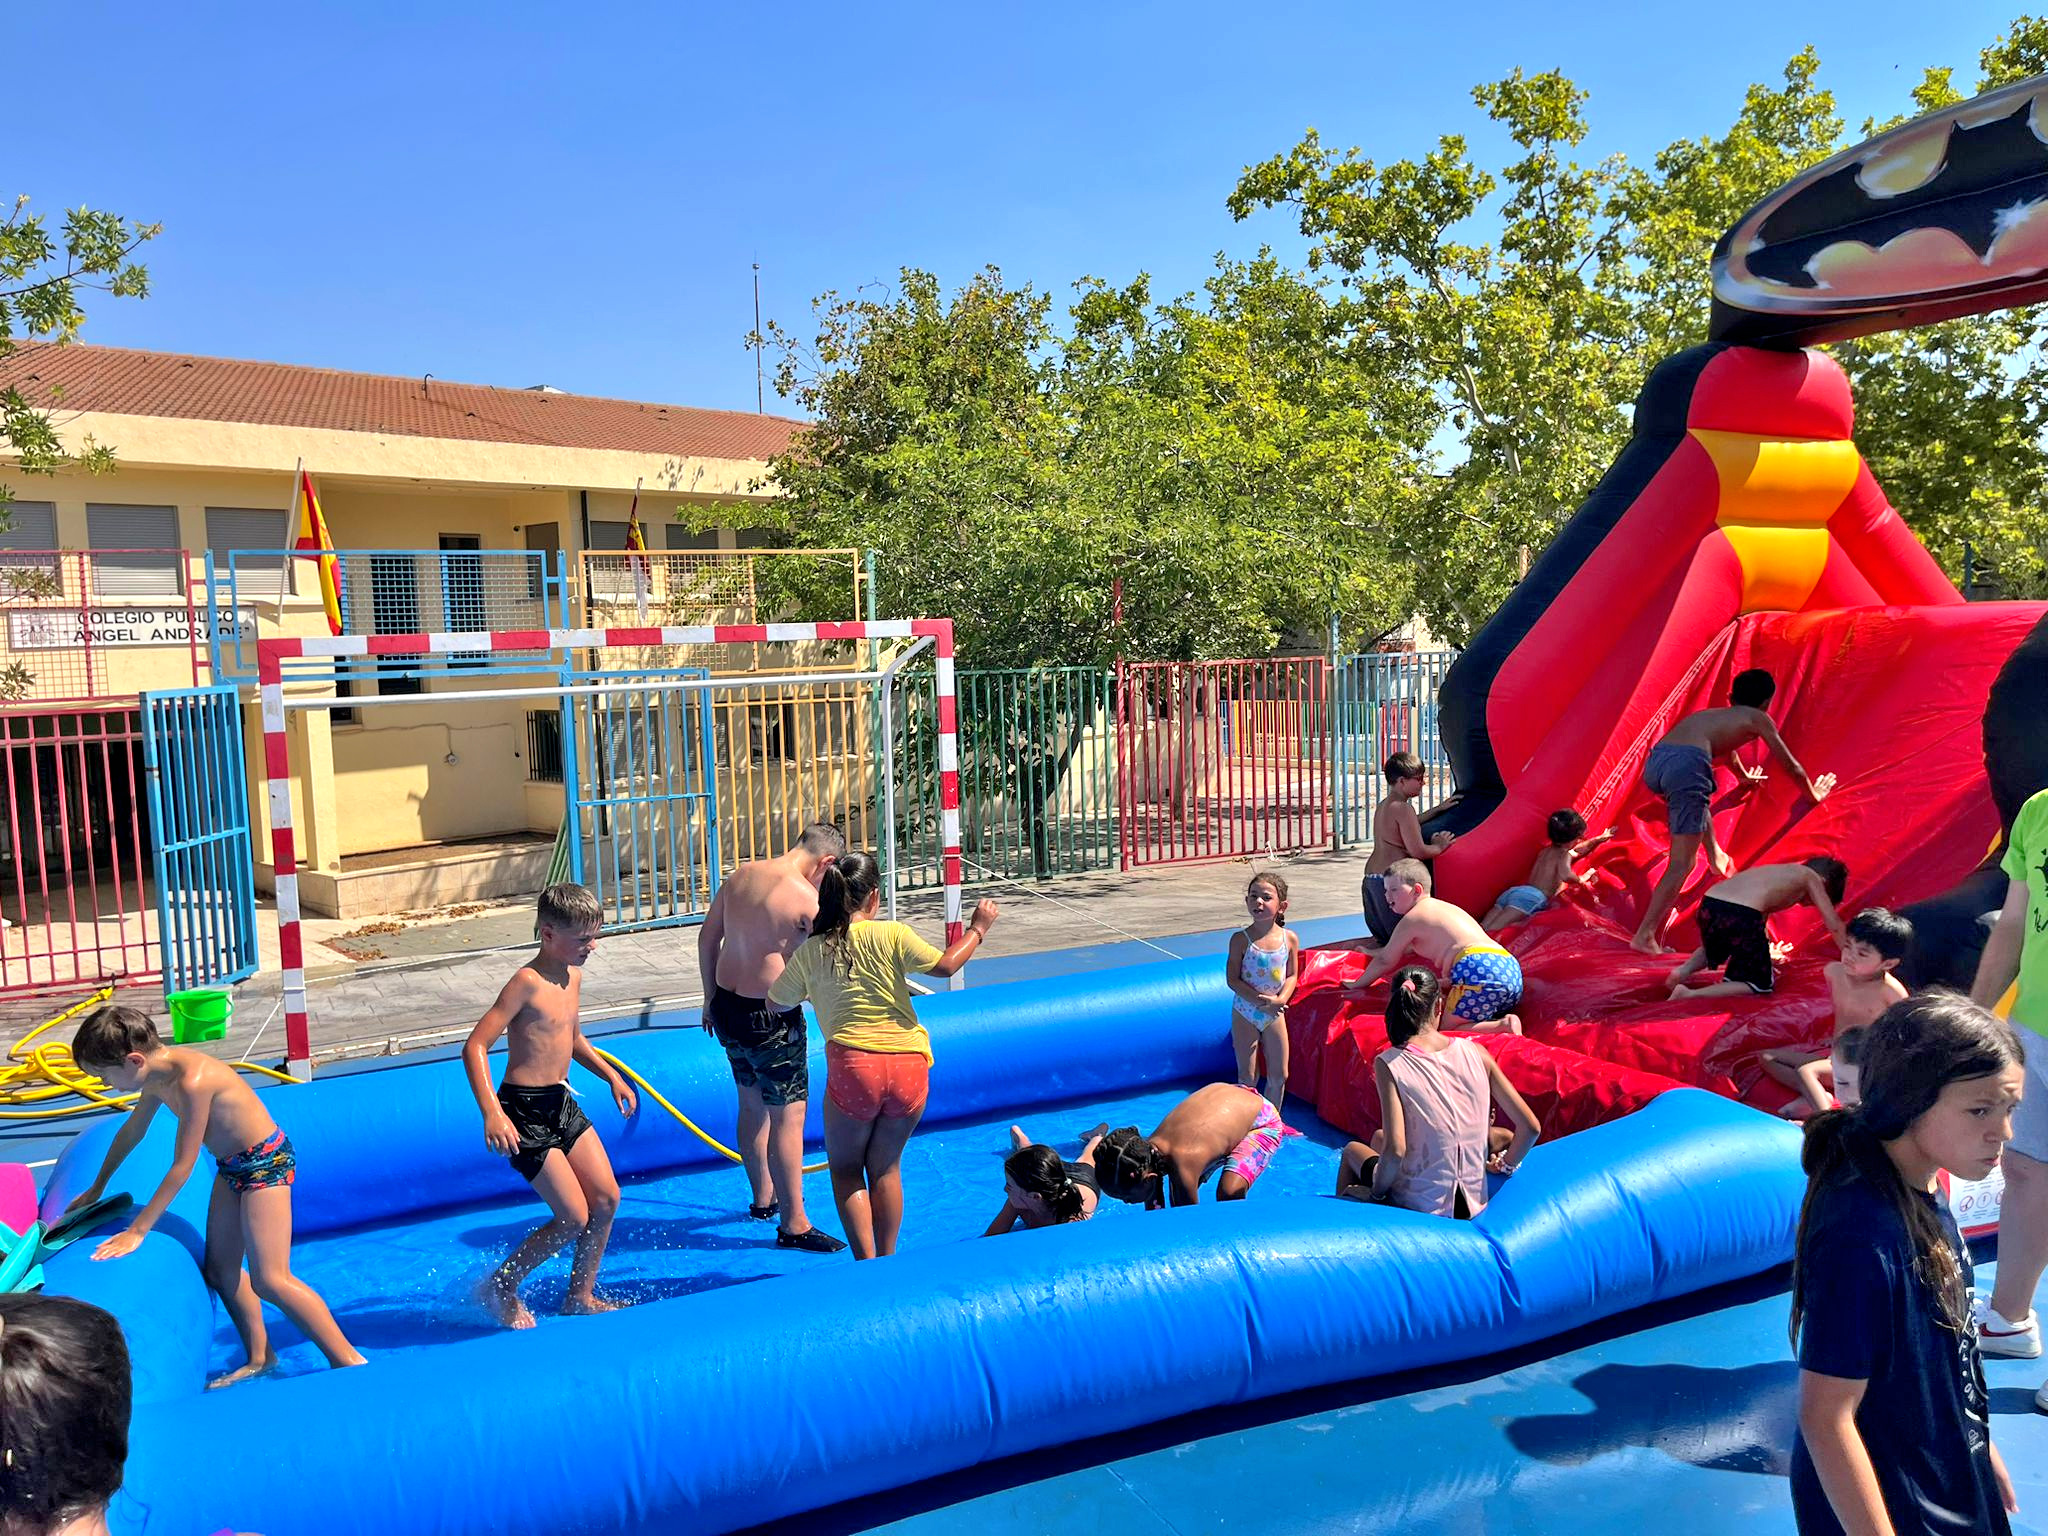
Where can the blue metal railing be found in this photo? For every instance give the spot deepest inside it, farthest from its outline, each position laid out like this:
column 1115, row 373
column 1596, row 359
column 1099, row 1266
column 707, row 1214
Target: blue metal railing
column 640, row 797
column 1386, row 703
column 199, row 815
column 388, row 592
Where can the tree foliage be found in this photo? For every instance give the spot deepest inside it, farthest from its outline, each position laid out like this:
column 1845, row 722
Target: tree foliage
column 41, row 278
column 1209, row 466
column 1396, row 427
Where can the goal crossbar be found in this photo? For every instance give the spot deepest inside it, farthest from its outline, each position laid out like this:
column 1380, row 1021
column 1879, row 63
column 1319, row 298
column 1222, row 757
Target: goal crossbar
column 273, row 653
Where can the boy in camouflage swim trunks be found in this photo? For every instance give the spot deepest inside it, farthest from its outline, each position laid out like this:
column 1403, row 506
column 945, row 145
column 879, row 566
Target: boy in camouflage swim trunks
column 251, row 1210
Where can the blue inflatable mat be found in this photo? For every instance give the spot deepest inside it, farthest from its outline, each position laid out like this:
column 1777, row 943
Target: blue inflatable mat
column 728, row 1407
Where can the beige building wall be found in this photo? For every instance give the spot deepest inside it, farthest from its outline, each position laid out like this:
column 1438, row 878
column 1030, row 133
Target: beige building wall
column 399, row 775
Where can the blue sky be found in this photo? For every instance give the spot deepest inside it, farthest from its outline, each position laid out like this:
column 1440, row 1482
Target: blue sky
column 526, row 193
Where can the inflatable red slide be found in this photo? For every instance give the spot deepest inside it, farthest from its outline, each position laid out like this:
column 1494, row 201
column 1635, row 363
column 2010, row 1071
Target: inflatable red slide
column 1740, row 529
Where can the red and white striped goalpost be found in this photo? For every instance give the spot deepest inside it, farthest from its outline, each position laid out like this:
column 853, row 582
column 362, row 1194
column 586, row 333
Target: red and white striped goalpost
column 271, row 654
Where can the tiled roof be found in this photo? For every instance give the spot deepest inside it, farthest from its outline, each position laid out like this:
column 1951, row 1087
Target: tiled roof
column 118, row 381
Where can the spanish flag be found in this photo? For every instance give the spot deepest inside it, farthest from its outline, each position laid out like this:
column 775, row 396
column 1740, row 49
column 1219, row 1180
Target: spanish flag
column 314, row 542
column 636, row 547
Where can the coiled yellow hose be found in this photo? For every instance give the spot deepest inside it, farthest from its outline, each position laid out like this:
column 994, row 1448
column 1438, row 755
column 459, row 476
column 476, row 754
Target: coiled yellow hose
column 36, row 1074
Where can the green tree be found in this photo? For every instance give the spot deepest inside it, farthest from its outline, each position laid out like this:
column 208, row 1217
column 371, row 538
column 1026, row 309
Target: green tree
column 1214, row 468
column 41, row 278
column 1539, row 294
column 1521, row 337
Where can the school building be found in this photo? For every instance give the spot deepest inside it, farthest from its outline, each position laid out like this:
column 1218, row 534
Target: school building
column 452, row 507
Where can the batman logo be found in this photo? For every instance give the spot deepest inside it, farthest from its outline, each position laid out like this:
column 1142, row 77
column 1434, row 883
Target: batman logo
column 1943, row 216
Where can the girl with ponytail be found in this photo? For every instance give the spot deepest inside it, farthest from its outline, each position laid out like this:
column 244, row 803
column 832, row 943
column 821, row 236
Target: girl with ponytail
column 1893, row 1427
column 1437, row 1139
column 853, row 970
column 1043, row 1189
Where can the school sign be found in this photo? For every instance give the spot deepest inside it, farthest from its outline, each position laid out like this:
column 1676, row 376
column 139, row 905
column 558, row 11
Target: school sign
column 58, row 629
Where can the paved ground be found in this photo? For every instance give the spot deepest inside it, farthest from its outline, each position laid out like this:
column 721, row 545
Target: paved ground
column 426, row 981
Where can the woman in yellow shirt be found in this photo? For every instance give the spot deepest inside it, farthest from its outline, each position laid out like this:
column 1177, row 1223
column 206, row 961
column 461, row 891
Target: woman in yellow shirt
column 852, row 971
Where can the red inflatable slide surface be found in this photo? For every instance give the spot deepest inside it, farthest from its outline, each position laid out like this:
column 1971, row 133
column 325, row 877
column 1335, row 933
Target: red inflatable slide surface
column 1890, row 700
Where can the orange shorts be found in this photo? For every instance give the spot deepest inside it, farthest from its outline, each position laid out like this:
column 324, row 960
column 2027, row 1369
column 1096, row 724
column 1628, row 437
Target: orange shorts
column 872, row 1085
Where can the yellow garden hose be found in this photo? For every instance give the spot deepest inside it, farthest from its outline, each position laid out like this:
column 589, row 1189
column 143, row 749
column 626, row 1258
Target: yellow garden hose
column 35, row 1074
column 695, row 1129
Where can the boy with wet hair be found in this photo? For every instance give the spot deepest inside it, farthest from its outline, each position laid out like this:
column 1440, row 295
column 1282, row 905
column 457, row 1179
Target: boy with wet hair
column 1861, row 986
column 250, row 1214
column 1553, row 870
column 533, row 1118
column 1736, row 940
column 1396, row 834
column 1482, row 981
column 1680, row 768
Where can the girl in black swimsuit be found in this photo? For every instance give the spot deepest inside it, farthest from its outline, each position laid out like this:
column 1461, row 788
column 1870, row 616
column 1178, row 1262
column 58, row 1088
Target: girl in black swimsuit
column 1042, row 1189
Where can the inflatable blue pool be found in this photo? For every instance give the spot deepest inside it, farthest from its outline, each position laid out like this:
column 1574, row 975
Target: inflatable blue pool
column 716, row 1404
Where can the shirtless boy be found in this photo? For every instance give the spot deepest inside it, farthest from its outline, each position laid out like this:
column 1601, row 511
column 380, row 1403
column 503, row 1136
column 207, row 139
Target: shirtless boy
column 1734, row 936
column 1681, row 769
column 1224, row 1126
column 761, row 913
column 251, row 1209
column 1861, row 986
column 1555, row 867
column 1396, row 834
column 1482, row 981
column 534, row 1119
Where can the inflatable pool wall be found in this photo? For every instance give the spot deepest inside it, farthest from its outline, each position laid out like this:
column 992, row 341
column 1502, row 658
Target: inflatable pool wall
column 729, row 1407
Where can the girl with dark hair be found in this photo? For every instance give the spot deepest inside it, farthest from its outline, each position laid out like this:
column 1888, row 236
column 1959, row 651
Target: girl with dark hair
column 853, row 970
column 1262, row 968
column 64, row 1398
column 1893, row 1428
column 1043, row 1189
column 1436, row 1139
column 1225, row 1129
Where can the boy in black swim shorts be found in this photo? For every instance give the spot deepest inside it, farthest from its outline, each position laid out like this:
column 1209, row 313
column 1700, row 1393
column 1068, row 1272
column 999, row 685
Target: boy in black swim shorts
column 765, row 1045
column 1734, row 936
column 533, row 1118
column 762, row 912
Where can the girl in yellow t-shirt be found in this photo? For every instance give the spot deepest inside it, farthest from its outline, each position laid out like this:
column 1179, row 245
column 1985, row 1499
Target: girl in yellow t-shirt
column 851, row 970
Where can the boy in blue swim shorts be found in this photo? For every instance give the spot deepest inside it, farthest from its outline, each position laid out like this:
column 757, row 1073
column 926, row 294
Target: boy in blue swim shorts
column 1680, row 771
column 1553, row 870
column 1482, row 981
column 251, row 1211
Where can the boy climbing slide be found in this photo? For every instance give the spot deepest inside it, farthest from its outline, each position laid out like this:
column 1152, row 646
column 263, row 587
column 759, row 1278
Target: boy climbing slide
column 1482, row 981
column 1734, row 936
column 1680, row 769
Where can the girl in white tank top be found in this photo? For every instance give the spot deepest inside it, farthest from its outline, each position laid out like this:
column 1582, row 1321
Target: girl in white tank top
column 1436, row 1140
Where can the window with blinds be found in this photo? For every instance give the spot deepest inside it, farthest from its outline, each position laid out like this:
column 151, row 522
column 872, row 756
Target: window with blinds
column 249, row 530
column 29, row 541
column 145, row 561
column 676, row 536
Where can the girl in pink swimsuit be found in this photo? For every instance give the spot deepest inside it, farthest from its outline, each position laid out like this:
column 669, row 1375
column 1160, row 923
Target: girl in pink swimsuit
column 1436, row 1140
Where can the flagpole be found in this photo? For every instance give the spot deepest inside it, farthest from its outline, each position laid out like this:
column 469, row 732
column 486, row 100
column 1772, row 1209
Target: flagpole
column 642, row 568
column 291, row 544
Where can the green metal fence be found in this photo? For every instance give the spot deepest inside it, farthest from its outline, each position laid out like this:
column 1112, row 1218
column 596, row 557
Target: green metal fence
column 1386, row 703
column 1037, row 774
column 1038, row 762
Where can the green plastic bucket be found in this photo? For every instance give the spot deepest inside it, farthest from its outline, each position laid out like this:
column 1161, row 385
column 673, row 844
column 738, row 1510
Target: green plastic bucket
column 200, row 1014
